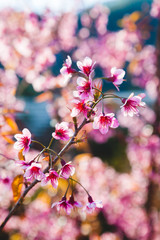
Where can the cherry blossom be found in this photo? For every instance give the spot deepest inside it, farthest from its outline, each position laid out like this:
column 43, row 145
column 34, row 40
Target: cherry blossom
column 117, row 76
column 155, row 9
column 62, row 131
column 23, row 141
column 63, row 205
column 66, row 70
column 84, row 89
column 51, row 176
column 104, row 121
column 34, row 172
column 24, row 165
column 80, row 106
column 67, row 170
column 30, row 44
column 73, row 202
column 86, row 66
column 131, row 104
column 92, row 205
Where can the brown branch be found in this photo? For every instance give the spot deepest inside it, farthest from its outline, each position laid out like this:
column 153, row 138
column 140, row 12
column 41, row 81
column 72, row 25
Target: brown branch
column 18, row 203
column 63, row 150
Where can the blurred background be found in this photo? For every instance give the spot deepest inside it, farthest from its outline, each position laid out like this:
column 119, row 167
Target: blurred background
column 120, row 168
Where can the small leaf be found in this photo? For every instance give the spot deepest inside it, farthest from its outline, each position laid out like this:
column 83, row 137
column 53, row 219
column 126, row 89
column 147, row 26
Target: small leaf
column 10, row 110
column 17, row 187
column 135, row 16
column 46, row 96
column 98, row 85
column 20, row 155
column 8, row 139
column 7, row 135
column 46, row 157
column 11, row 123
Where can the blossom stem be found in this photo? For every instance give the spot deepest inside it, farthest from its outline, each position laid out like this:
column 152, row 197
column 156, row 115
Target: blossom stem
column 34, row 141
column 98, row 91
column 50, row 142
column 80, row 185
column 39, row 154
column 75, row 122
column 97, row 102
column 80, row 74
column 67, row 189
column 50, row 160
column 103, row 107
column 111, row 96
column 51, row 150
column 103, row 78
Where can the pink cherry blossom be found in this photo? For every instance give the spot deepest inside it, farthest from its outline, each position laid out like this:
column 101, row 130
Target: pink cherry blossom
column 64, row 205
column 66, row 70
column 62, row 131
column 92, row 205
column 130, row 104
column 155, row 9
column 80, row 106
column 84, row 89
column 104, row 121
column 34, row 172
column 51, row 176
column 23, row 141
column 117, row 76
column 67, row 169
column 73, row 202
column 86, row 66
column 24, row 165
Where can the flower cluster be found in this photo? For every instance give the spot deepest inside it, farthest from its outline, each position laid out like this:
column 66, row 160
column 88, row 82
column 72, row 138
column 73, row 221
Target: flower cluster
column 85, row 102
column 32, row 46
column 33, row 169
column 71, row 203
column 85, row 96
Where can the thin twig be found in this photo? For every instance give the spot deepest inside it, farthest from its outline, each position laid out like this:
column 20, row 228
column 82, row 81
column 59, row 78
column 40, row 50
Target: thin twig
column 63, row 150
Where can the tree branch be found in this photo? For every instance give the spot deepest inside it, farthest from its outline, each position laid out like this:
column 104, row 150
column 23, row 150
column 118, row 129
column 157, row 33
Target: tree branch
column 63, row 150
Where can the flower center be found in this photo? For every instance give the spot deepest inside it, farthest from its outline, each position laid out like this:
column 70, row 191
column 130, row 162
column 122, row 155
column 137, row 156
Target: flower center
column 81, row 106
column 35, row 170
column 52, row 176
column 105, row 120
column 60, row 132
column 130, row 103
column 25, row 141
column 87, row 87
column 87, row 70
column 113, row 78
column 70, row 70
